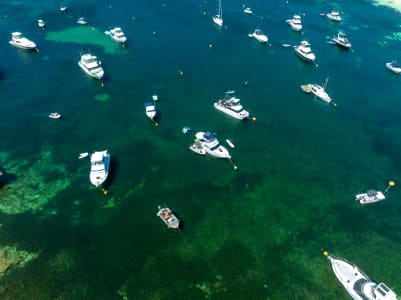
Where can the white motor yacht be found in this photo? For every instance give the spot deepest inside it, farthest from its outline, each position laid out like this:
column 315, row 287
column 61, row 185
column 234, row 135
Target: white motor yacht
column 117, row 35
column 100, row 163
column 356, row 283
column 18, row 40
column 341, row 40
column 150, row 110
column 334, row 15
column 371, row 196
column 218, row 18
column 41, row 24
column 168, row 217
column 91, row 65
column 259, row 36
column 295, row 23
column 231, row 106
column 394, row 66
column 248, row 10
column 304, row 51
column 211, row 145
column 54, row 115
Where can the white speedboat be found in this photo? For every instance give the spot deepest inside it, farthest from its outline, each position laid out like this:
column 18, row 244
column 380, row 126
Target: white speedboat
column 117, row 35
column 82, row 21
column 197, row 148
column 100, row 163
column 218, row 18
column 150, row 110
column 63, row 9
column 91, row 65
column 248, row 10
column 334, row 15
column 41, row 24
column 168, row 217
column 356, row 283
column 304, row 51
column 295, row 23
column 341, row 40
column 259, row 36
column 231, row 106
column 394, row 66
column 371, row 196
column 211, row 145
column 18, row 40
column 54, row 115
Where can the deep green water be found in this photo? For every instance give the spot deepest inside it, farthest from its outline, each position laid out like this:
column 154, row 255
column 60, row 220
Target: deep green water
column 254, row 233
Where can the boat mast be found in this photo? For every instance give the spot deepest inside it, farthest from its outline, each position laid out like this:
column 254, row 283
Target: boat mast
column 325, row 83
column 220, row 10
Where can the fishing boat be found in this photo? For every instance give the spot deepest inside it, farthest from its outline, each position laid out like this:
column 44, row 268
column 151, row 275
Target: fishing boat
column 334, row 15
column 208, row 140
column 197, row 148
column 150, row 110
column 168, row 217
column 218, row 18
column 248, row 10
column 341, row 40
column 394, row 66
column 91, row 65
column 100, row 163
column 231, row 106
column 304, row 51
column 82, row 21
column 230, row 143
column 41, row 24
column 54, row 115
column 117, row 35
column 295, row 23
column 358, row 285
column 18, row 40
column 259, row 36
column 371, row 196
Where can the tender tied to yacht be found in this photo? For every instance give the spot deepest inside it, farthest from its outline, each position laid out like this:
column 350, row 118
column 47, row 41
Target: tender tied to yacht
column 18, row 40
column 358, row 285
column 231, row 106
column 91, row 65
column 100, row 163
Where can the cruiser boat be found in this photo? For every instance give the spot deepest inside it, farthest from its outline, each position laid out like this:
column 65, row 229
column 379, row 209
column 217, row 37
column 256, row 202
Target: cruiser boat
column 394, row 66
column 218, row 19
column 211, row 145
column 82, row 21
column 168, row 217
column 150, row 110
column 371, row 196
column 259, row 36
column 197, row 148
column 117, row 35
column 248, row 10
column 54, row 115
column 18, row 40
column 91, row 65
column 100, row 163
column 356, row 283
column 295, row 23
column 334, row 15
column 41, row 24
column 341, row 40
column 231, row 106
column 304, row 51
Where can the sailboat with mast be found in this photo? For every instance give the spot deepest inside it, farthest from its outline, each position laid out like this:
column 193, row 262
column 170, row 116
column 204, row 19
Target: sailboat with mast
column 317, row 90
column 218, row 19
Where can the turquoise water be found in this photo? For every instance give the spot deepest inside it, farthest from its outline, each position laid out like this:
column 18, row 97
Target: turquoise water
column 254, row 233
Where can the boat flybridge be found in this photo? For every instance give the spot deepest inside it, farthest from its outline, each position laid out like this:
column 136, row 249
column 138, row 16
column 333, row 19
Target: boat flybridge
column 358, row 285
column 342, row 40
column 231, row 106
column 91, row 65
column 295, row 23
column 371, row 196
column 117, row 35
column 218, row 18
column 100, row 163
column 259, row 36
column 18, row 40
column 304, row 51
column 208, row 140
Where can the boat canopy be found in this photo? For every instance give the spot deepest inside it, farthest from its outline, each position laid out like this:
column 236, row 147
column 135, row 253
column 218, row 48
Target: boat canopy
column 210, row 136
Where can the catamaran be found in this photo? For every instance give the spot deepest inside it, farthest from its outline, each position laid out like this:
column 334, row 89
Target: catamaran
column 218, row 19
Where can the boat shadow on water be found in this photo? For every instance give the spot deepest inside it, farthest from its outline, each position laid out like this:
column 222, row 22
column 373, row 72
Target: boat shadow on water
column 6, row 178
column 113, row 169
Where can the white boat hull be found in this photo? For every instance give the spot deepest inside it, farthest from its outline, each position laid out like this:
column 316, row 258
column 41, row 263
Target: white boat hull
column 306, row 57
column 97, row 75
column 390, row 66
column 99, row 167
column 239, row 116
column 218, row 20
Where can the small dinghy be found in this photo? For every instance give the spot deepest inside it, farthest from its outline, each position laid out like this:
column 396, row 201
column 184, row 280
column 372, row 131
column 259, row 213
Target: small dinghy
column 82, row 21
column 167, row 216
column 230, row 143
column 186, row 130
column 54, row 115
column 41, row 24
column 394, row 66
column 155, row 98
column 83, row 155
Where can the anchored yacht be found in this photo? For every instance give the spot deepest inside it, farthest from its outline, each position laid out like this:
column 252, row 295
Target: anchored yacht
column 117, row 35
column 208, row 140
column 91, row 65
column 304, row 51
column 231, row 106
column 334, row 15
column 356, row 283
column 100, row 162
column 371, row 196
column 341, row 40
column 259, row 36
column 295, row 23
column 18, row 40
column 394, row 66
